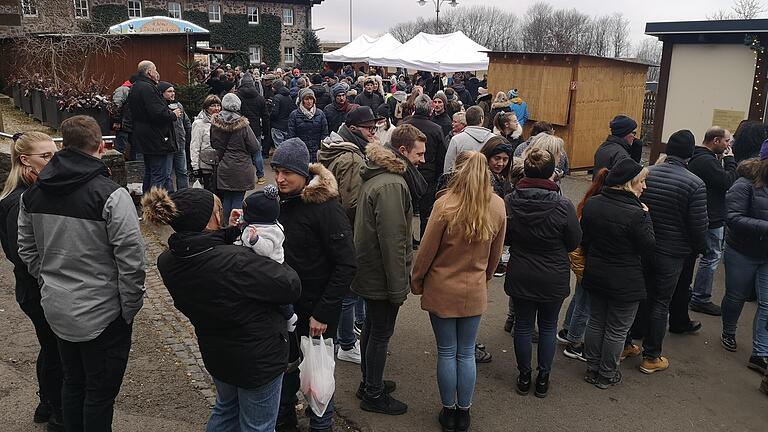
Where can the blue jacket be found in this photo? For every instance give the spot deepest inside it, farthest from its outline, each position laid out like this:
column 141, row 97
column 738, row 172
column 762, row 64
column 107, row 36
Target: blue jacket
column 521, row 111
column 311, row 131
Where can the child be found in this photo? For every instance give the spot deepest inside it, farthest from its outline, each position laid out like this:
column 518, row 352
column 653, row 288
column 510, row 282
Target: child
column 264, row 234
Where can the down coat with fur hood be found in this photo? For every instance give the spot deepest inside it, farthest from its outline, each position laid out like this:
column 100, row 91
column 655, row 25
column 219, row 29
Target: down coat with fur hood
column 318, row 244
column 236, row 145
column 746, row 213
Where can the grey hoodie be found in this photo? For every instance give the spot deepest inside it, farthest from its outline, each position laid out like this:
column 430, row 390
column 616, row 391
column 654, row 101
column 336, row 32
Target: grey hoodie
column 472, row 139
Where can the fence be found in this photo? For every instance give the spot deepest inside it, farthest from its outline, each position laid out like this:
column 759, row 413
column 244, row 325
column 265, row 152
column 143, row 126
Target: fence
column 649, row 109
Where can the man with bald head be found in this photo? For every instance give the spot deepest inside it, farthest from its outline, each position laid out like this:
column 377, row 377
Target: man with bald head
column 152, row 127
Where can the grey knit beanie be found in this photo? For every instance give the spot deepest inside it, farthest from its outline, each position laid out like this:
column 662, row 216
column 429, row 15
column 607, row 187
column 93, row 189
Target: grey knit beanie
column 306, row 92
column 230, row 102
column 292, row 155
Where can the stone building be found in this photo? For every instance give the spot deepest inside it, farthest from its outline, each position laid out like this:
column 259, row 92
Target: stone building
column 294, row 17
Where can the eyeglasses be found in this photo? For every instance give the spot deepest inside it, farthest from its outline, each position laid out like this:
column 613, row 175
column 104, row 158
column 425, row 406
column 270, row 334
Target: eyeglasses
column 44, row 156
column 372, row 129
column 634, row 133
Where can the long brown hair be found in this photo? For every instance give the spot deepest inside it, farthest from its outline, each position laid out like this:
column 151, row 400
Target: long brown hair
column 469, row 199
column 594, row 189
column 21, row 173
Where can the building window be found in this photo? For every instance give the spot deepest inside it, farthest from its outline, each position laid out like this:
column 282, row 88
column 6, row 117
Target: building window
column 287, row 16
column 253, row 15
column 174, row 10
column 254, row 55
column 288, row 54
column 134, row 9
column 28, row 8
column 81, row 8
column 214, row 12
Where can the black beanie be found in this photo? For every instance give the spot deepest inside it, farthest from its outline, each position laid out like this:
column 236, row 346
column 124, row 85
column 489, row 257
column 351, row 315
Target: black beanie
column 163, row 86
column 262, row 207
column 545, row 172
column 622, row 126
column 194, row 208
column 681, row 144
column 624, row 171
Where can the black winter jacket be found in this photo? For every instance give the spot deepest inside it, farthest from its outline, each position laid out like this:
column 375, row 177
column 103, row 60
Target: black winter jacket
column 282, row 107
column 542, row 228
column 436, row 148
column 444, row 121
column 232, row 296
column 27, row 289
column 746, row 214
column 152, row 119
column 322, row 96
column 464, row 96
column 615, row 149
column 253, row 107
column 718, row 177
column 618, row 233
column 336, row 117
column 372, row 100
column 677, row 200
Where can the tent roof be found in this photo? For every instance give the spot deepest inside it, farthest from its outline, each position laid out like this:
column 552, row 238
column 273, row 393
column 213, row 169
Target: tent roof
column 363, row 48
column 156, row 24
column 452, row 52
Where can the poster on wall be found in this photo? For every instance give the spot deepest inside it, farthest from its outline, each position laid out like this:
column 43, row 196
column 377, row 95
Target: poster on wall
column 727, row 119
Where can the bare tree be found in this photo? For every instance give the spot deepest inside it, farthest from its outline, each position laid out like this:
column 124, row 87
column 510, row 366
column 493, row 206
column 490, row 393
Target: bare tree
column 649, row 49
column 405, row 31
column 619, row 35
column 536, row 28
column 741, row 9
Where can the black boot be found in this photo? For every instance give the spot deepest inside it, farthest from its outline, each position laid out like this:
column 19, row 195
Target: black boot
column 383, row 404
column 462, row 420
column 42, row 412
column 447, row 419
column 542, row 385
column 523, row 384
column 56, row 422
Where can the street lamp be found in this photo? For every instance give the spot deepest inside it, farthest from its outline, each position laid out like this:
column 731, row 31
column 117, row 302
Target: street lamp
column 437, row 4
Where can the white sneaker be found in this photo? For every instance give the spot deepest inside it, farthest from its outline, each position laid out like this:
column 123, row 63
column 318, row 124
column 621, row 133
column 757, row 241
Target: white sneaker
column 351, row 355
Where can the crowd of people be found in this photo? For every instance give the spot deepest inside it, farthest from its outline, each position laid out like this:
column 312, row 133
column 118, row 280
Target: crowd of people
column 329, row 249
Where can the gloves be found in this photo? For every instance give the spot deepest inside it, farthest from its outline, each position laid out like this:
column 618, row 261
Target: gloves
column 290, row 324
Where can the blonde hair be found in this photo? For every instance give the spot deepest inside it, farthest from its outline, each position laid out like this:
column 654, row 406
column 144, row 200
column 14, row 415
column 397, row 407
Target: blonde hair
column 627, row 187
column 551, row 143
column 22, row 145
column 468, row 207
column 501, row 97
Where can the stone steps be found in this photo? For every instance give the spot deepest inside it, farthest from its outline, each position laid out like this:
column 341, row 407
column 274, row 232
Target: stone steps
column 6, row 100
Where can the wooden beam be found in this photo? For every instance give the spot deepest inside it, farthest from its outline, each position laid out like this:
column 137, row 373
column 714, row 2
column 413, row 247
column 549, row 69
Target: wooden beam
column 657, row 146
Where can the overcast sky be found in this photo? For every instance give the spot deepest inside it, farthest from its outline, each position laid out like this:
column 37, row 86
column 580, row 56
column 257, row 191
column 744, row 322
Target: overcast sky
column 375, row 17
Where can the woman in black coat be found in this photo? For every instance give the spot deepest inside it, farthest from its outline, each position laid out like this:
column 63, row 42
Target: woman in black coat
column 618, row 233
column 232, row 297
column 542, row 228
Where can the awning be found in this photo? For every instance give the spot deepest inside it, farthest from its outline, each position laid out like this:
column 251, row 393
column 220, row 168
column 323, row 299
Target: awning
column 362, row 49
column 453, row 52
column 156, row 24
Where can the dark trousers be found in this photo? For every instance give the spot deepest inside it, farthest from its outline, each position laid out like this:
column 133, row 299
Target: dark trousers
column 380, row 319
column 665, row 273
column 678, row 307
column 157, row 171
column 93, row 374
column 607, row 329
column 425, row 207
column 48, row 367
column 526, row 312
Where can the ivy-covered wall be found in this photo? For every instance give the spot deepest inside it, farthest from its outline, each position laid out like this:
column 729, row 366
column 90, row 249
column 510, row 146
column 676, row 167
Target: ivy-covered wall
column 148, row 12
column 103, row 17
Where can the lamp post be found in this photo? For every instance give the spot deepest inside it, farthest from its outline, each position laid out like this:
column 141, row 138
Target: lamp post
column 437, row 4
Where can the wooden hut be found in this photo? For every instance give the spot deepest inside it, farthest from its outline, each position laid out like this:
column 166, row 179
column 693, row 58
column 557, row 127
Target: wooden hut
column 578, row 94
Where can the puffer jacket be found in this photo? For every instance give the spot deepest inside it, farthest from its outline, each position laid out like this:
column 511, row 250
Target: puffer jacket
column 282, row 107
column 618, row 233
column 383, row 229
column 746, row 213
column 677, row 201
column 236, row 145
column 344, row 159
column 201, row 140
column 473, row 138
column 310, row 130
column 615, row 149
column 83, row 289
column 719, row 176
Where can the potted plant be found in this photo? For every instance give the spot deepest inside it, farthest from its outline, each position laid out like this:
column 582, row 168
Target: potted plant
column 88, row 100
column 26, row 98
column 51, row 107
column 16, row 87
column 37, row 84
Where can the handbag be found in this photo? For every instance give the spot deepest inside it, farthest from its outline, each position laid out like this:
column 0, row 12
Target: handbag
column 209, row 156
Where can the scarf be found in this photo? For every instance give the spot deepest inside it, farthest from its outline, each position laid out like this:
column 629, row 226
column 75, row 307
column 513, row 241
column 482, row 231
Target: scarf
column 416, row 183
column 229, row 116
column 546, row 184
column 309, row 113
column 343, row 107
column 518, row 100
column 353, row 138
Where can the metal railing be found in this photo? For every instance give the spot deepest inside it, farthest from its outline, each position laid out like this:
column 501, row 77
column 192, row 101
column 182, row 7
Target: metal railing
column 108, row 138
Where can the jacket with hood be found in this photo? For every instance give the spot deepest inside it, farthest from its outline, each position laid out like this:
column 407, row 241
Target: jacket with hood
column 236, row 145
column 615, row 149
column 746, row 213
column 520, row 108
column 310, row 130
column 434, row 157
column 152, row 120
column 27, row 289
column 542, row 227
column 232, row 297
column 719, row 176
column 318, row 243
column 201, row 140
column 336, row 115
column 394, row 103
column 473, row 138
column 344, row 158
column 322, row 95
column 372, row 100
column 73, row 204
column 254, row 108
column 383, row 228
column 282, row 107
column 464, row 96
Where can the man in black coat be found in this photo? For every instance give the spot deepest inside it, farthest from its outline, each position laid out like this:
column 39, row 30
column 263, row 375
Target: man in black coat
column 254, row 108
column 677, row 201
column 322, row 96
column 282, row 107
column 713, row 162
column 318, row 244
column 434, row 158
column 368, row 97
column 152, row 127
column 622, row 143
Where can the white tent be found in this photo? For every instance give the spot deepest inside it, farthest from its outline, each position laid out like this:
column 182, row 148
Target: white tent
column 363, row 48
column 453, row 52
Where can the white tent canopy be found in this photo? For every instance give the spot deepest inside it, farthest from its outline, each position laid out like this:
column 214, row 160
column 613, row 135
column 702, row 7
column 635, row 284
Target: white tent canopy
column 363, row 48
column 452, row 52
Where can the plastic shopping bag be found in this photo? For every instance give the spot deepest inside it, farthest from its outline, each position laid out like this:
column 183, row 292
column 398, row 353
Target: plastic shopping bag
column 316, row 372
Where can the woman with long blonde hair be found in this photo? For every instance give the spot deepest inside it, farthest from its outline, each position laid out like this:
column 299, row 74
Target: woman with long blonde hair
column 458, row 255
column 30, row 153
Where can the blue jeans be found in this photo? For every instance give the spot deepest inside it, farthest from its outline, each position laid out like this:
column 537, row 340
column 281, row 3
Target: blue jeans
column 360, row 308
column 742, row 275
column 230, row 200
column 346, row 332
column 157, row 171
column 278, row 137
column 258, row 162
column 245, row 410
column 526, row 312
column 180, row 169
column 702, row 285
column 456, row 369
column 579, row 309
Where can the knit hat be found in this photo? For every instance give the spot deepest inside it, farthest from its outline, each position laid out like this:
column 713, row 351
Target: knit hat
column 512, row 94
column 544, row 172
column 624, row 171
column 277, row 84
column 622, row 126
column 306, row 91
column 681, row 144
column 441, row 95
column 338, row 89
column 262, row 207
column 764, row 150
column 194, row 207
column 292, row 155
column 230, row 102
column 247, row 80
column 163, row 86
column 316, row 79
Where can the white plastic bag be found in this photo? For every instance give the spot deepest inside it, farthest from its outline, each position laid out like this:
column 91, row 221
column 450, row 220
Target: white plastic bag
column 316, row 372
column 197, row 185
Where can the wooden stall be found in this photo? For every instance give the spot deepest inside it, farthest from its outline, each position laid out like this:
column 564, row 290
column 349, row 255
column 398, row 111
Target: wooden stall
column 578, row 94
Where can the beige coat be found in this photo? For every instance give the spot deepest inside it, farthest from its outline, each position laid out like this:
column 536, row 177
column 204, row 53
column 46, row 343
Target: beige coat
column 452, row 275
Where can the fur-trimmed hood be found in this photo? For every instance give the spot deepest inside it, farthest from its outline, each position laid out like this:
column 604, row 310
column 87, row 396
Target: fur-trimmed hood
column 749, row 169
column 380, row 159
column 322, row 186
column 240, row 123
